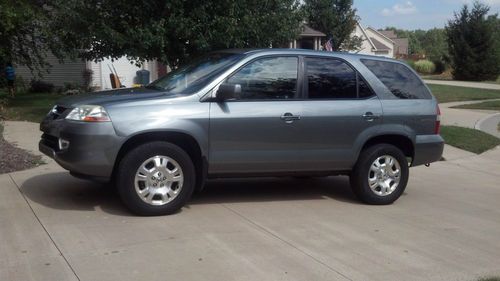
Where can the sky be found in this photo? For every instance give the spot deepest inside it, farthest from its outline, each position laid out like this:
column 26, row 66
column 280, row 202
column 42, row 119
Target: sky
column 414, row 14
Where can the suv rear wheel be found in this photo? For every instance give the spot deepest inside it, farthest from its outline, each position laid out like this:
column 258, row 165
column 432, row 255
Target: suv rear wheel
column 156, row 178
column 380, row 175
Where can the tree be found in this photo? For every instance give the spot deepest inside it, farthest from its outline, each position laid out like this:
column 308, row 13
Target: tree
column 173, row 31
column 337, row 19
column 23, row 35
column 472, row 44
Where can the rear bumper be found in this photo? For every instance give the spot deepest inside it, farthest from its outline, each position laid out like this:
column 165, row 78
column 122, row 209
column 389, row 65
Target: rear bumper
column 428, row 149
column 92, row 149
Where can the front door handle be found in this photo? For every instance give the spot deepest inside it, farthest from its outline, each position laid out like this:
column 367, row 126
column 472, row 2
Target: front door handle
column 369, row 116
column 289, row 117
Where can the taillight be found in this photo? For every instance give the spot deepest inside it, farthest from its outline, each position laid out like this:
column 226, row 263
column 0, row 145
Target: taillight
column 437, row 126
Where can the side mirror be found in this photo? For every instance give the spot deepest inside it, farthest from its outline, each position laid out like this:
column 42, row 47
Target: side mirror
column 228, row 91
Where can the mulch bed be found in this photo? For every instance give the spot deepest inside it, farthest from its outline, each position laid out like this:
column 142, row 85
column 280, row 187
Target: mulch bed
column 15, row 159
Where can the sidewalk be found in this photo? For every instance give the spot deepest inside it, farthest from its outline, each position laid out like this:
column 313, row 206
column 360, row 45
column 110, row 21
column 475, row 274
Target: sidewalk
column 484, row 120
column 479, row 85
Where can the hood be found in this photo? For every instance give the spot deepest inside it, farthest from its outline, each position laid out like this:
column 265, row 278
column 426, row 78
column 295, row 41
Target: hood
column 111, row 96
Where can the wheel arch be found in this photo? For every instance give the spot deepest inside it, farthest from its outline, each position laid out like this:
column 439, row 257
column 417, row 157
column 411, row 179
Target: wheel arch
column 182, row 139
column 403, row 142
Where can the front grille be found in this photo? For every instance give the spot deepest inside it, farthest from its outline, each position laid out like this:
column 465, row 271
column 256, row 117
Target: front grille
column 50, row 141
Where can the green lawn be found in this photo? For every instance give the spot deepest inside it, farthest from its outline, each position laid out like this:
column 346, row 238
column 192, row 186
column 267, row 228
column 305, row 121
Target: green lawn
column 468, row 139
column 444, row 93
column 27, row 106
column 489, row 105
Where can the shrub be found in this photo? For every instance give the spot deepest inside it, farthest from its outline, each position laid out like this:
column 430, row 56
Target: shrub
column 440, row 66
column 411, row 63
column 38, row 86
column 87, row 77
column 425, row 67
column 71, row 86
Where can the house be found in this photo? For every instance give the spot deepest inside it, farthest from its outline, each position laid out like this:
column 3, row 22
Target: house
column 308, row 39
column 373, row 42
column 400, row 44
column 72, row 72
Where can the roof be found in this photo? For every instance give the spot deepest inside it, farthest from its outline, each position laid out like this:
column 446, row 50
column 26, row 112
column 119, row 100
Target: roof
column 379, row 45
column 307, row 31
column 389, row 34
column 380, row 34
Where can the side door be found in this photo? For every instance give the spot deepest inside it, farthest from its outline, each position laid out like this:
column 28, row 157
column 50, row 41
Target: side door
column 256, row 132
column 339, row 109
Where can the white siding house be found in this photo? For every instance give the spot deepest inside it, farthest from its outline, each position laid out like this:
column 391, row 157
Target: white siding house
column 374, row 42
column 125, row 69
column 72, row 72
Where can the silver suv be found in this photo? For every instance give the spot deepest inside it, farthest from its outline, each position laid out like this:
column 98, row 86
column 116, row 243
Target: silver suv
column 240, row 113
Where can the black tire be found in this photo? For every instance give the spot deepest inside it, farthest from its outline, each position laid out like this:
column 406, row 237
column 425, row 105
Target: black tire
column 359, row 175
column 129, row 166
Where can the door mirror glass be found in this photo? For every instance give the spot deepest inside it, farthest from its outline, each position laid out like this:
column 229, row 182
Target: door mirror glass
column 228, row 91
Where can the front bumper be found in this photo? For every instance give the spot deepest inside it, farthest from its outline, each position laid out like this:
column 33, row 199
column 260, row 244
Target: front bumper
column 428, row 149
column 92, row 149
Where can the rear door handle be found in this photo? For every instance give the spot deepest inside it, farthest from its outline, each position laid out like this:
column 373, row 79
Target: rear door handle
column 289, row 117
column 369, row 116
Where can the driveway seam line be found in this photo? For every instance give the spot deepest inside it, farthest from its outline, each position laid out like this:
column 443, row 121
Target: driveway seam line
column 45, row 229
column 286, row 242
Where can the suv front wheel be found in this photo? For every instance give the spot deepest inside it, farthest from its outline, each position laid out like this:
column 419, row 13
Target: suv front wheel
column 156, row 178
column 380, row 175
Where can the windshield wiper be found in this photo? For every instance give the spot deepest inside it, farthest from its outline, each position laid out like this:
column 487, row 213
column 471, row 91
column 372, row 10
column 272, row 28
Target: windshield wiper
column 154, row 87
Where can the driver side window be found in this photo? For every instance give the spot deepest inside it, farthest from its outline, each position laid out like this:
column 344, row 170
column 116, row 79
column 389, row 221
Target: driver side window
column 267, row 78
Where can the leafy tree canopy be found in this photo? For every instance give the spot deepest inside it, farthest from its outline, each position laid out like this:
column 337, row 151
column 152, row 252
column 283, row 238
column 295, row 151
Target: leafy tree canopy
column 337, row 19
column 172, row 31
column 472, row 44
column 23, row 34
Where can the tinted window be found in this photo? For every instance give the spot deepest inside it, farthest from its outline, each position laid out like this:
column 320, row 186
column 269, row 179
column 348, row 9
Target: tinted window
column 268, row 78
column 364, row 91
column 400, row 80
column 330, row 79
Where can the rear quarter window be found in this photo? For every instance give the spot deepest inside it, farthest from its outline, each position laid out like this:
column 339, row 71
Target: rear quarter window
column 399, row 79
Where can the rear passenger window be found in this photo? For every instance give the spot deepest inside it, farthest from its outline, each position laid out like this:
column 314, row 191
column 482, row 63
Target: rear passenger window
column 400, row 80
column 330, row 79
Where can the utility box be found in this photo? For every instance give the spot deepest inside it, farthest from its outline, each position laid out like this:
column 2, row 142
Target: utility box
column 143, row 76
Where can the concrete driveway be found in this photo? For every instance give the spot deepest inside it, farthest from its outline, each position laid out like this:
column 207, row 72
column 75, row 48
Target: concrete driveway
column 445, row 227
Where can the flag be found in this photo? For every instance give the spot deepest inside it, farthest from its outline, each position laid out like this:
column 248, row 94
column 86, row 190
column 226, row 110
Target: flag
column 328, row 45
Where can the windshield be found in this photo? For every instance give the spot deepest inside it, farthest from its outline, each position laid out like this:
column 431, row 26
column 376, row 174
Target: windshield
column 192, row 77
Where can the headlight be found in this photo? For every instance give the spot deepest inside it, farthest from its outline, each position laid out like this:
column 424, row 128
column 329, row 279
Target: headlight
column 89, row 113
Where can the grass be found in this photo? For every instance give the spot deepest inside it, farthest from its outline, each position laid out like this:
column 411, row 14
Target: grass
column 489, row 279
column 446, row 76
column 488, row 105
column 468, row 139
column 27, row 106
column 445, row 93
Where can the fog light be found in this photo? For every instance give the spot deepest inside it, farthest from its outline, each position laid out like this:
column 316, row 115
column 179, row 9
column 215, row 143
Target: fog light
column 63, row 144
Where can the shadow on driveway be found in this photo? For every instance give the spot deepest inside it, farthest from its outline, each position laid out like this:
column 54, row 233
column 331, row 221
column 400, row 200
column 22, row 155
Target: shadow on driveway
column 63, row 192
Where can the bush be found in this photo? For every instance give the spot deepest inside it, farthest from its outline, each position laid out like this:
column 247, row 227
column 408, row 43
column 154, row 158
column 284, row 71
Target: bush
column 38, row 86
column 87, row 78
column 411, row 63
column 440, row 66
column 425, row 67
